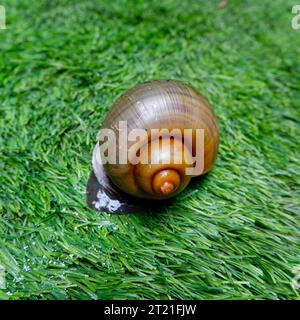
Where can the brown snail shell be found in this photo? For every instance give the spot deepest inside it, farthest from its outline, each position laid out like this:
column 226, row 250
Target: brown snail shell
column 162, row 104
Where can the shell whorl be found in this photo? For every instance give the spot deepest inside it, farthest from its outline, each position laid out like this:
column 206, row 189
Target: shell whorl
column 165, row 104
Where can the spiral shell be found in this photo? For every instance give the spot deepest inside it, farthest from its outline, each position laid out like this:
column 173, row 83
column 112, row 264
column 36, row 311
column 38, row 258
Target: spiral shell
column 165, row 104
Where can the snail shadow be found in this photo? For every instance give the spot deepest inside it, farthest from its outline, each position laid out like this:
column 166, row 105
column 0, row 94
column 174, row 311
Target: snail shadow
column 105, row 197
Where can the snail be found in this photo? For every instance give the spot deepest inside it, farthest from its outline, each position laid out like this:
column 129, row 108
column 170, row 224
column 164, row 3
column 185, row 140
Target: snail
column 154, row 112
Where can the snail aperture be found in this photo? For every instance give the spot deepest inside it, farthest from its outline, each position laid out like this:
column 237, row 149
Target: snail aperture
column 158, row 108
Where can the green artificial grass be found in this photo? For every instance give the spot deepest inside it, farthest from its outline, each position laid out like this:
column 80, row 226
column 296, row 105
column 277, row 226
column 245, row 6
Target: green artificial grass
column 231, row 235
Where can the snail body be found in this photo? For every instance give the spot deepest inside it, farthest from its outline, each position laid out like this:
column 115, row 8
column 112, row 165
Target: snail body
column 160, row 105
